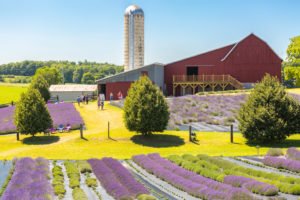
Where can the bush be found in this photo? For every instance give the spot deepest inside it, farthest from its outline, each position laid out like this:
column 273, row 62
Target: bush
column 275, row 152
column 269, row 114
column 84, row 166
column 58, row 181
column 31, row 114
column 91, row 182
column 78, row 194
column 145, row 197
column 145, row 108
column 73, row 174
column 59, row 190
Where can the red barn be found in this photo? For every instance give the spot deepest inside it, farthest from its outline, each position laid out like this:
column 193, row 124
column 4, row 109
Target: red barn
column 234, row 66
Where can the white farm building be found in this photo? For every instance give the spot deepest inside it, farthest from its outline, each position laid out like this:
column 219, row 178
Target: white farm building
column 71, row 92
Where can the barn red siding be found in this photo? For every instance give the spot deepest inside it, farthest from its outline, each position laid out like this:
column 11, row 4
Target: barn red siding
column 115, row 88
column 248, row 62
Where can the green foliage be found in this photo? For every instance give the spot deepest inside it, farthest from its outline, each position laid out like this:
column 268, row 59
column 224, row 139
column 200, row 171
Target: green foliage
column 58, row 181
column 78, row 194
column 31, row 114
column 84, row 166
column 145, row 197
column 275, row 152
column 269, row 114
column 40, row 83
column 68, row 72
column 88, row 78
column 73, row 174
column 292, row 63
column 51, row 75
column 145, row 108
column 91, row 182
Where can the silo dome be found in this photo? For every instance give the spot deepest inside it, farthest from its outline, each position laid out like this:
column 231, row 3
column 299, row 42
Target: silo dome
column 134, row 10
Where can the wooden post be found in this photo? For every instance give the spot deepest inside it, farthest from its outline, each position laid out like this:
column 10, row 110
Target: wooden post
column 108, row 130
column 81, row 131
column 231, row 133
column 190, row 133
column 18, row 136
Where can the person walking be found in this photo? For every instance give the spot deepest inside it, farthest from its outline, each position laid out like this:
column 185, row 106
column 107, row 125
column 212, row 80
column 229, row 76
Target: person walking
column 78, row 100
column 98, row 103
column 87, row 99
column 111, row 96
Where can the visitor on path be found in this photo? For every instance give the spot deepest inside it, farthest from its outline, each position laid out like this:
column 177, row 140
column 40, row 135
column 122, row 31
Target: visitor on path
column 102, row 105
column 87, row 99
column 111, row 96
column 78, row 100
column 99, row 103
column 120, row 95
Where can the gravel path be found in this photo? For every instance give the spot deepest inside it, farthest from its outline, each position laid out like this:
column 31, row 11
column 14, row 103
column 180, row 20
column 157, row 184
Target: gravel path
column 101, row 190
column 87, row 190
column 68, row 194
column 287, row 196
column 165, row 187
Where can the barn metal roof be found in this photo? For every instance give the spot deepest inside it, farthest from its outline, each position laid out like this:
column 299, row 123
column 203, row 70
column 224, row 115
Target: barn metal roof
column 73, row 88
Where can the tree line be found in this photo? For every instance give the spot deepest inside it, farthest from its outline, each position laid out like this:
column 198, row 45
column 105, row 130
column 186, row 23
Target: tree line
column 70, row 72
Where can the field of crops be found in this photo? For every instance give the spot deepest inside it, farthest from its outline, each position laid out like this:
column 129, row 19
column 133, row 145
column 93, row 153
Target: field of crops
column 11, row 92
column 147, row 177
column 62, row 113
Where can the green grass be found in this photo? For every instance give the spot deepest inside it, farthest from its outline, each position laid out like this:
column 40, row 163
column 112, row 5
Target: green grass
column 11, row 92
column 123, row 143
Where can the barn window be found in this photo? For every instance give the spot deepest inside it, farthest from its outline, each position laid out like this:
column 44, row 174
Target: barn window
column 192, row 71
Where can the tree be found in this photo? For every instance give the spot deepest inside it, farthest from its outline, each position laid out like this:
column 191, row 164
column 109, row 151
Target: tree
column 77, row 75
column 31, row 114
column 145, row 108
column 40, row 83
column 269, row 114
column 51, row 75
column 88, row 78
column 292, row 63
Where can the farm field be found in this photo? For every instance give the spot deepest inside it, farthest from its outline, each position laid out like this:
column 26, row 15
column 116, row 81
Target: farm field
column 124, row 144
column 11, row 92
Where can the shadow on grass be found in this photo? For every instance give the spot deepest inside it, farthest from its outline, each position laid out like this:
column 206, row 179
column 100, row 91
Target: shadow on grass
column 40, row 140
column 283, row 144
column 158, row 140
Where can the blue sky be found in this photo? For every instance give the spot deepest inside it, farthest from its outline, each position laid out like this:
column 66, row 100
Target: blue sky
column 93, row 29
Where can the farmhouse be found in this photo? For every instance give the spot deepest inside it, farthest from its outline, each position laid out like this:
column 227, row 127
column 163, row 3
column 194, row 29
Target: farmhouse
column 71, row 92
column 235, row 66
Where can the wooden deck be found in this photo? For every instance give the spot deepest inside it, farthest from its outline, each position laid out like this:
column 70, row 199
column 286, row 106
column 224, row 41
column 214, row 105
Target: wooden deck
column 204, row 81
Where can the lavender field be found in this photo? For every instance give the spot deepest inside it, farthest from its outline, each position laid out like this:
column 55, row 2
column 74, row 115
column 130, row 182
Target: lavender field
column 62, row 113
column 218, row 110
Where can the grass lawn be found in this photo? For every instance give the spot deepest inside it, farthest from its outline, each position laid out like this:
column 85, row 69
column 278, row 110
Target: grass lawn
column 294, row 90
column 11, row 92
column 123, row 143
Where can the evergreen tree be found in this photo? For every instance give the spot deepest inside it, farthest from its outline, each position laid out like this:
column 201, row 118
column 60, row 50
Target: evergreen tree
column 42, row 86
column 269, row 113
column 145, row 108
column 31, row 114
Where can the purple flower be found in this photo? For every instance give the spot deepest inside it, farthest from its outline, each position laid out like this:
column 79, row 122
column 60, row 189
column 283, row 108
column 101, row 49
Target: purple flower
column 293, row 153
column 282, row 163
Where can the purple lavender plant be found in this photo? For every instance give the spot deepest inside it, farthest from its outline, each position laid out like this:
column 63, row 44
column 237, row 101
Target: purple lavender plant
column 293, row 153
column 116, row 180
column 282, row 163
column 29, row 181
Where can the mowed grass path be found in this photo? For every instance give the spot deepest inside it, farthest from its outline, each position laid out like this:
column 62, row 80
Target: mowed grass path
column 11, row 92
column 123, row 143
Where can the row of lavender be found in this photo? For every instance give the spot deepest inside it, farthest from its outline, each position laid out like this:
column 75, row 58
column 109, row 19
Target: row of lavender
column 116, row 179
column 188, row 181
column 30, row 180
column 290, row 162
column 62, row 113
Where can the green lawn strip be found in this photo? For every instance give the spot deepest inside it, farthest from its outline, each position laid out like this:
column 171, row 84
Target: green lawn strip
column 58, row 181
column 289, row 185
column 8, row 178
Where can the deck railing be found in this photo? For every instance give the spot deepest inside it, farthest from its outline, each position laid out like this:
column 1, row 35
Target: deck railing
column 225, row 78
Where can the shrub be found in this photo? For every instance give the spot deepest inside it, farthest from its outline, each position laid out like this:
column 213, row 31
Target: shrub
column 58, row 181
column 59, row 190
column 73, row 174
column 31, row 114
column 145, row 108
column 78, row 194
column 274, row 152
column 91, row 182
column 84, row 166
column 145, row 197
column 269, row 114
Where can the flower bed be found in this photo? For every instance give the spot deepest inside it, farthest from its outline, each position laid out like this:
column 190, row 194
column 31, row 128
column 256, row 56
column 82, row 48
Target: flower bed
column 62, row 113
column 188, row 181
column 29, row 180
column 116, row 180
column 293, row 153
column 282, row 163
